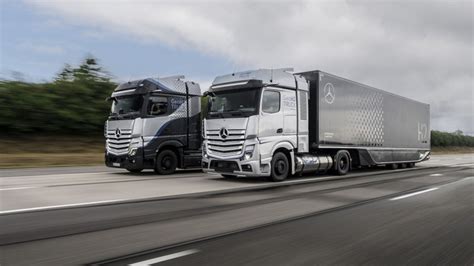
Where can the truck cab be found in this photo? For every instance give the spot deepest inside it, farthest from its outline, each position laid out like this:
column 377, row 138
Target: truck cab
column 154, row 123
column 253, row 116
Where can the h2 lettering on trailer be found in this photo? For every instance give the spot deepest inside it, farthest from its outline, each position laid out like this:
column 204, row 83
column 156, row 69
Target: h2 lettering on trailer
column 422, row 132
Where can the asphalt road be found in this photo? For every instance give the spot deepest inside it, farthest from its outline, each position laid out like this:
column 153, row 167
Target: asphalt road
column 63, row 187
column 431, row 228
column 193, row 218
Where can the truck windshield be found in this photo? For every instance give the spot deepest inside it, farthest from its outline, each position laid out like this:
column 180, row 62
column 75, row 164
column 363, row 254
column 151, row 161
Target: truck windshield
column 234, row 103
column 126, row 106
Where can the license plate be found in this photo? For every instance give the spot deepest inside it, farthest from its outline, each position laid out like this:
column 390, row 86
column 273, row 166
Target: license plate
column 116, row 164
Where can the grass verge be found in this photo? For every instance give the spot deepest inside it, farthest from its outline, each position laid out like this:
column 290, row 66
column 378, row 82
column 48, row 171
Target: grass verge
column 48, row 151
column 451, row 150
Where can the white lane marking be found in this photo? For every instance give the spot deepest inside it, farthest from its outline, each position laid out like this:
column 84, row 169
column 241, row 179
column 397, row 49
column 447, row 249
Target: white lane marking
column 436, row 174
column 465, row 164
column 57, row 175
column 414, row 193
column 165, row 258
column 60, row 206
column 15, row 188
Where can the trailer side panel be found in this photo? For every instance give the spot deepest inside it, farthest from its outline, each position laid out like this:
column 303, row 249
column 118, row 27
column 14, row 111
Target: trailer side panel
column 354, row 115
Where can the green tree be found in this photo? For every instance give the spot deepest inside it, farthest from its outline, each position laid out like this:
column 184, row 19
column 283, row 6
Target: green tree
column 74, row 103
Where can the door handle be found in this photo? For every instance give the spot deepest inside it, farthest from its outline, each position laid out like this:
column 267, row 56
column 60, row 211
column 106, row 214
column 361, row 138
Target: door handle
column 280, row 130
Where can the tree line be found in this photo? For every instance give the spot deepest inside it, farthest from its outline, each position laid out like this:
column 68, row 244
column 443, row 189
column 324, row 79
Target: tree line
column 446, row 139
column 74, row 104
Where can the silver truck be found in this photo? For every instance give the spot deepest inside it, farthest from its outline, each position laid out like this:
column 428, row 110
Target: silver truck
column 276, row 123
column 154, row 124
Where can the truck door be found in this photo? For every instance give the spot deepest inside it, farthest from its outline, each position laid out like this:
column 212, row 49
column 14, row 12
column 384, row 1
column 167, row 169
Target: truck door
column 288, row 100
column 271, row 122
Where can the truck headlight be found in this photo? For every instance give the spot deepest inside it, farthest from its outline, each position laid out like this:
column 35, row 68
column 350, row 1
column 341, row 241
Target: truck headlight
column 248, row 154
column 204, row 150
column 134, row 145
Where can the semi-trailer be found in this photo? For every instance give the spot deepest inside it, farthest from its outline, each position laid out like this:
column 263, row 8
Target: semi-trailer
column 154, row 123
column 277, row 123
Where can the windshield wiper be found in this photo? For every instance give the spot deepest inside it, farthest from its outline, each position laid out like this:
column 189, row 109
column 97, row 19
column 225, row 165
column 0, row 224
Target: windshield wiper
column 113, row 116
column 234, row 112
column 130, row 115
column 216, row 114
column 238, row 111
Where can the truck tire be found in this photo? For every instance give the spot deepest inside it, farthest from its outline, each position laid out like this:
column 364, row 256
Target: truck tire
column 342, row 163
column 166, row 162
column 280, row 167
column 403, row 165
column 410, row 165
column 392, row 166
column 134, row 170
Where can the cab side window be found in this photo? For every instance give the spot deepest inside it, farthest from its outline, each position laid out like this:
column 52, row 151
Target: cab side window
column 271, row 102
column 157, row 105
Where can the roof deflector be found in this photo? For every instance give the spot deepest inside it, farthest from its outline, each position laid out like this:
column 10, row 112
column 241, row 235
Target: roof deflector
column 174, row 77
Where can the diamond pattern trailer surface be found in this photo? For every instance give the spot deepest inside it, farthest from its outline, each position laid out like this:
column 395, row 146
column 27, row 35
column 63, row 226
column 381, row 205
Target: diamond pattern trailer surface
column 347, row 113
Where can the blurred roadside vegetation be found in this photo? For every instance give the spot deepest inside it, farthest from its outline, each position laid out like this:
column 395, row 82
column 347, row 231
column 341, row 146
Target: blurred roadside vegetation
column 61, row 122
column 456, row 139
column 72, row 104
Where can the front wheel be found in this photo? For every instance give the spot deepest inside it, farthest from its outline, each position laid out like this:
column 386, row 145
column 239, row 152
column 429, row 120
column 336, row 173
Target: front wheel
column 280, row 167
column 166, row 162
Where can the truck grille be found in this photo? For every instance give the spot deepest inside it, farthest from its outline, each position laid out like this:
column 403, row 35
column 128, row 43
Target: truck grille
column 118, row 144
column 232, row 145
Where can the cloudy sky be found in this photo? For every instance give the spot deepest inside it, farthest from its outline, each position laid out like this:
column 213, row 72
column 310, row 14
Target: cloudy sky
column 418, row 49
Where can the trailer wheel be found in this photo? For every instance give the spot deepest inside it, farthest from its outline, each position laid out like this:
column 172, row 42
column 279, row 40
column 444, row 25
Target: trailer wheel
column 392, row 166
column 280, row 167
column 403, row 165
column 134, row 170
column 342, row 163
column 166, row 162
column 410, row 165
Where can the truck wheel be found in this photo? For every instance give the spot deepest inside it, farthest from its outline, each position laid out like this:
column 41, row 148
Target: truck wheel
column 134, row 170
column 280, row 167
column 403, row 165
column 410, row 165
column 392, row 166
column 342, row 163
column 166, row 162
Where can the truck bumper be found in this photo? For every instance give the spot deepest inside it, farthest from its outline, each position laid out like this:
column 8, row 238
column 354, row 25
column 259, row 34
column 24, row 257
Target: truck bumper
column 124, row 161
column 235, row 167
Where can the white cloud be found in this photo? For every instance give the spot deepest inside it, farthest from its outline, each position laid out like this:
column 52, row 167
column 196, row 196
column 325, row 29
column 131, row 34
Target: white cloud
column 422, row 50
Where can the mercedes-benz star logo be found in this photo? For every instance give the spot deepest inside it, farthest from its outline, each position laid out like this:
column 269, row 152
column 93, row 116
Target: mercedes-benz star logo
column 224, row 133
column 118, row 133
column 329, row 93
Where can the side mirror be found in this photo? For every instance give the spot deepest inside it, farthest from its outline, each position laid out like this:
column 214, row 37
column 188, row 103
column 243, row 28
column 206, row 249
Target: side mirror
column 208, row 93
